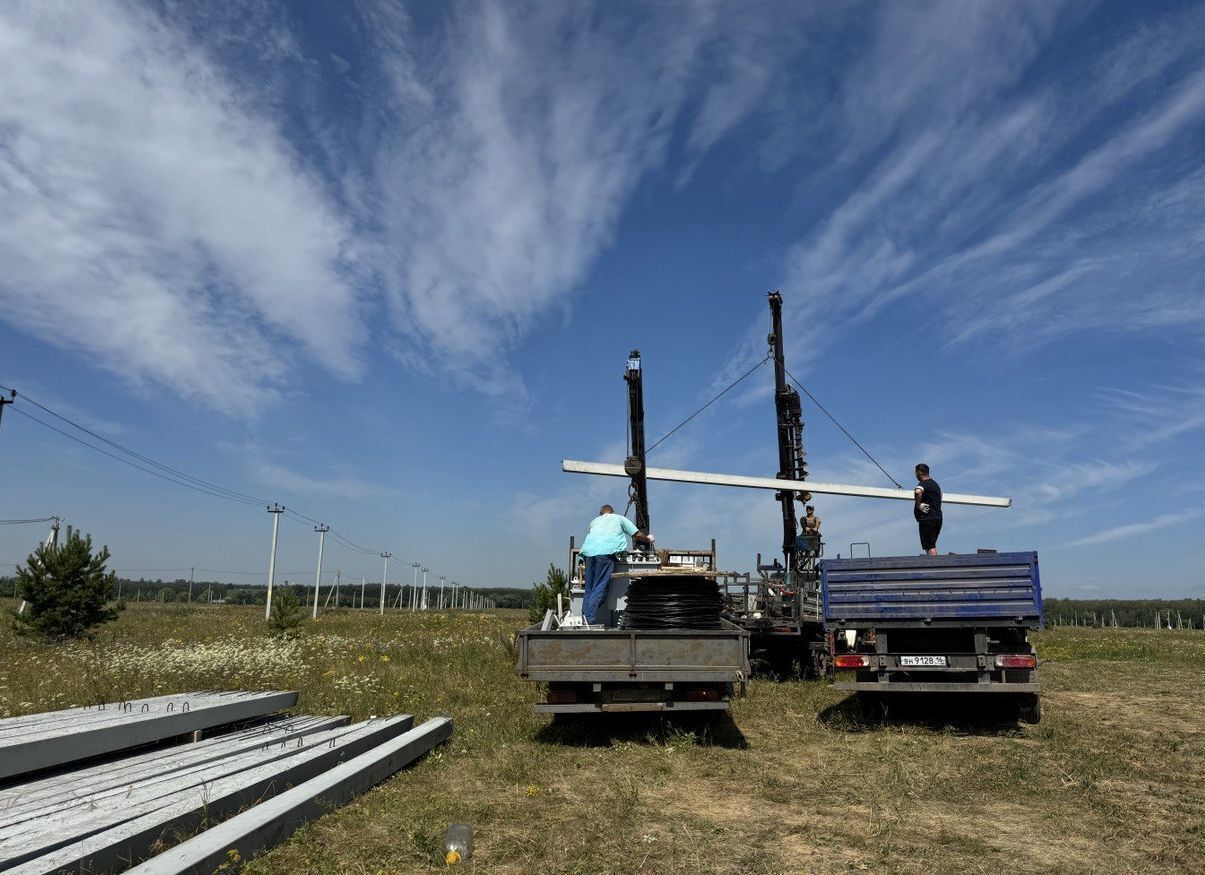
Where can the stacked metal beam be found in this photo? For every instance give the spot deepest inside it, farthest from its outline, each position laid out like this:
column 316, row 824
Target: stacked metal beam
column 273, row 821
column 41, row 741
column 105, row 815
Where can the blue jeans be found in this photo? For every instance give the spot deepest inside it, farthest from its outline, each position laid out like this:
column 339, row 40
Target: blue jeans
column 598, row 579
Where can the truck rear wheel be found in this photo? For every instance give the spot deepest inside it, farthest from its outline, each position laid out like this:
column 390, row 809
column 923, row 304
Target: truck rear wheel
column 1029, row 708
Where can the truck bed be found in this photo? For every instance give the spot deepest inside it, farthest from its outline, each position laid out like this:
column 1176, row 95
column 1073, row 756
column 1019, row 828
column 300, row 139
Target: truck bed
column 636, row 655
column 974, row 589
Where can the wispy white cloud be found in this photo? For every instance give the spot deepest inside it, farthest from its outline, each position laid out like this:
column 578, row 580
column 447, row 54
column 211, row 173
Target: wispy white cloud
column 498, row 196
column 1133, row 530
column 1157, row 414
column 154, row 224
column 282, row 481
column 969, row 191
column 152, row 169
column 154, row 178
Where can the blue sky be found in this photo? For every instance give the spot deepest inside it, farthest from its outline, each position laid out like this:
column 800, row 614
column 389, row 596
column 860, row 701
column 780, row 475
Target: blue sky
column 384, row 263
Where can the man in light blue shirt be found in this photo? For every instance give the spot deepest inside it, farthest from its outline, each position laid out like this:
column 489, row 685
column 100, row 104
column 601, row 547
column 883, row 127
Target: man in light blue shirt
column 608, row 535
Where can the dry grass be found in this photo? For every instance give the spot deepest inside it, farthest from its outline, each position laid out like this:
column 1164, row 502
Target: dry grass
column 1112, row 780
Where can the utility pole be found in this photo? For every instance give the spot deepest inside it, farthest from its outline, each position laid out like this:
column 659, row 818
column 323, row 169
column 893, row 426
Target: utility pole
column 422, row 605
column 414, row 589
column 276, row 510
column 442, row 578
column 191, row 573
column 12, row 396
column 384, row 580
column 454, row 585
column 321, row 529
column 363, row 583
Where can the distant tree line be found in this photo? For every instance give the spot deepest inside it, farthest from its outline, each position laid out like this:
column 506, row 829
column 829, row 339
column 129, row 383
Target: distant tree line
column 205, row 591
column 1179, row 613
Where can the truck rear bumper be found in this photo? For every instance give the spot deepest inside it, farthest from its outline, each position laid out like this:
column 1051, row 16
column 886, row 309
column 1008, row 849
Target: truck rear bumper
column 935, row 687
column 629, row 707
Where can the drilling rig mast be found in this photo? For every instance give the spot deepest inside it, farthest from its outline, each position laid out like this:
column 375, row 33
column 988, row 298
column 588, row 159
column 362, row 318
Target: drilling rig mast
column 791, row 457
column 634, row 464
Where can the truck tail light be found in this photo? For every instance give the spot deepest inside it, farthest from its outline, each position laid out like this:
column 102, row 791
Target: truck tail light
column 703, row 694
column 561, row 697
column 852, row 660
column 1017, row 660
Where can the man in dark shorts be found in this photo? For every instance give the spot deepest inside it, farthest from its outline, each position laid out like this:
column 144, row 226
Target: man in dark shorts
column 927, row 509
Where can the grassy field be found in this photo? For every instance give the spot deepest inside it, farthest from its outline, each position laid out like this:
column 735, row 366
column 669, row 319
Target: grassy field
column 1112, row 780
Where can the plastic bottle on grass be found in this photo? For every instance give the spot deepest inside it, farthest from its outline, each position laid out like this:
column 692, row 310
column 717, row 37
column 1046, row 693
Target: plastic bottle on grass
column 458, row 843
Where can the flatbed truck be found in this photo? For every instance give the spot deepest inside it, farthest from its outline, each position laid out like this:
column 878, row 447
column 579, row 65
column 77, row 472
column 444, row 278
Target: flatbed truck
column 923, row 624
column 583, row 670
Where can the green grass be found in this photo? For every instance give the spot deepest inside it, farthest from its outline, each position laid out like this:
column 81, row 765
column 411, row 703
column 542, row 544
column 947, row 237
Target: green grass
column 1113, row 779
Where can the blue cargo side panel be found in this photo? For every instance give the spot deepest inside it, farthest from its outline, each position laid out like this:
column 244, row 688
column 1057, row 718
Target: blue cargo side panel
column 986, row 587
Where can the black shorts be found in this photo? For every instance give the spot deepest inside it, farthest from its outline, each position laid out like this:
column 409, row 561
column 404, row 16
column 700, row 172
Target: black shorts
column 929, row 530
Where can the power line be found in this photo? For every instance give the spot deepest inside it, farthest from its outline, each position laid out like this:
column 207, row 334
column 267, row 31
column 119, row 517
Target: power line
column 125, row 461
column 166, row 472
column 142, row 458
column 708, row 404
column 801, row 388
column 147, row 465
column 338, row 537
column 45, row 519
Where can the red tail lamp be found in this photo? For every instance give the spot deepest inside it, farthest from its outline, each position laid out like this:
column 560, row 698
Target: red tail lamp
column 852, row 660
column 1017, row 660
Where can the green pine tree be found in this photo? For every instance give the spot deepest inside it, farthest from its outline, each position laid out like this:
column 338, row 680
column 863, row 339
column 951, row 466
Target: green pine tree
column 556, row 581
column 285, row 618
column 66, row 589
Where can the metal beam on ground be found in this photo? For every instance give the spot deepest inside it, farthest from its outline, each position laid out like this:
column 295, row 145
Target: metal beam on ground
column 186, row 765
column 66, row 820
column 71, row 817
column 572, row 466
column 9, row 723
column 115, row 846
column 139, row 723
column 9, row 796
column 114, row 713
column 159, row 757
column 271, row 822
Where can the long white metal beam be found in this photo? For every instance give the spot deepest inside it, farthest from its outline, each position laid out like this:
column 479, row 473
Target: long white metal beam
column 572, row 466
column 107, row 841
column 26, row 748
column 272, row 821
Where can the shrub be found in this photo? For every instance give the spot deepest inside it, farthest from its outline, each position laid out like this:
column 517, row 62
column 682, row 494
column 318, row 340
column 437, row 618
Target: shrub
column 66, row 589
column 285, row 618
column 555, row 582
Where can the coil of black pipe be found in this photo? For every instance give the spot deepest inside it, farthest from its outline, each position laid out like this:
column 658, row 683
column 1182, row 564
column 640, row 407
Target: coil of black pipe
column 678, row 602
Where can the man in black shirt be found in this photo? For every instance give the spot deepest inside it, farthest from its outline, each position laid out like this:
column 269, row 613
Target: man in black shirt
column 927, row 509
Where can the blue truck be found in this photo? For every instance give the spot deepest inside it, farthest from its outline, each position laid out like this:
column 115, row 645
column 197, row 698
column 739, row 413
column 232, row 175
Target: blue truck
column 922, row 624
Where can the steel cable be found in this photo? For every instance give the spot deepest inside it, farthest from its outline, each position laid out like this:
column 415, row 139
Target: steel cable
column 801, row 388
column 685, row 602
column 731, row 386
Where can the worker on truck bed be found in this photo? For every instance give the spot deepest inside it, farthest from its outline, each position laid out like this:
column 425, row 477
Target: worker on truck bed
column 927, row 509
column 608, row 535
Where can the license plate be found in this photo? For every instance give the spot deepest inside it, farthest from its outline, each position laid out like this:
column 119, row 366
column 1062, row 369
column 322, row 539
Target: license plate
column 923, row 661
